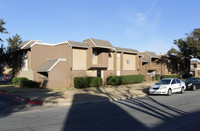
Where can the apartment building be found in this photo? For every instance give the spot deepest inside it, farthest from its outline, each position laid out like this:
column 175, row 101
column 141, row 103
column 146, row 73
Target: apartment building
column 151, row 64
column 195, row 67
column 56, row 65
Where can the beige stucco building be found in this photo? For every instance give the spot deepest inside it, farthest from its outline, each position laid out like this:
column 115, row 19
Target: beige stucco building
column 56, row 65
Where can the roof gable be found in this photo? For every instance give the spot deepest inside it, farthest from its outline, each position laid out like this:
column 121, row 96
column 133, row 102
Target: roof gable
column 101, row 43
column 77, row 44
column 152, row 54
column 28, row 44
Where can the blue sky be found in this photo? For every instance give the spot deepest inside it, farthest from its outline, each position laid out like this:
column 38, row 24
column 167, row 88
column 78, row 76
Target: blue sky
column 145, row 25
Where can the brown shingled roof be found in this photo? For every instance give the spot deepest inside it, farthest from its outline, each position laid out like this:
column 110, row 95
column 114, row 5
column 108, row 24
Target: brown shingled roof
column 78, row 44
column 101, row 43
column 126, row 50
column 152, row 54
column 47, row 65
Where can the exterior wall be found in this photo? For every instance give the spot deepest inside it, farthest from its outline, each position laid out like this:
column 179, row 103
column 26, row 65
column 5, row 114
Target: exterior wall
column 92, row 73
column 25, row 70
column 79, row 59
column 132, row 62
column 58, row 76
column 28, row 74
column 41, row 53
column 110, row 61
column 102, row 56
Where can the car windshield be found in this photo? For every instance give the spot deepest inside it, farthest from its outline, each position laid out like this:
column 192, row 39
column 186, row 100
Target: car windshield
column 162, row 82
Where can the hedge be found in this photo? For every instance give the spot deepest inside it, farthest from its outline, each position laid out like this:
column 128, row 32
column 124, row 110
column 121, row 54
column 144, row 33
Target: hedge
column 170, row 76
column 127, row 79
column 24, row 82
column 84, row 82
column 114, row 80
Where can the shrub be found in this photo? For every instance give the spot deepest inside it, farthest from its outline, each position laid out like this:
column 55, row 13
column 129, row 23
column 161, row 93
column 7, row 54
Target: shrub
column 153, row 78
column 24, row 82
column 84, row 82
column 171, row 76
column 157, row 77
column 127, row 79
column 114, row 80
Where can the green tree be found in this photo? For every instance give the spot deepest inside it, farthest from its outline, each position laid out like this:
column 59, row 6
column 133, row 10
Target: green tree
column 173, row 51
column 11, row 53
column 2, row 29
column 2, row 49
column 188, row 47
column 14, row 42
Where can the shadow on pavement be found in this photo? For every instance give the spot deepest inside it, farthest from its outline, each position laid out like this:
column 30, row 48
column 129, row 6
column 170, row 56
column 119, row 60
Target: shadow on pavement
column 125, row 115
column 105, row 116
column 8, row 104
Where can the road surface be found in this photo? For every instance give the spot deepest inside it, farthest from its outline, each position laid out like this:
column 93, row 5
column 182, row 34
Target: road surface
column 176, row 112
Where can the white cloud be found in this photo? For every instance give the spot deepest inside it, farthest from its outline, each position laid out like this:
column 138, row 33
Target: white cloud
column 140, row 18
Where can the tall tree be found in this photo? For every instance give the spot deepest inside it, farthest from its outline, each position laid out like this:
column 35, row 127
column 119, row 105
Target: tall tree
column 173, row 51
column 188, row 47
column 13, row 43
column 2, row 29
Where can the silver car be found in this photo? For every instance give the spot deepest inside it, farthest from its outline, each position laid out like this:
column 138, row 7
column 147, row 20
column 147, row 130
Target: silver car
column 168, row 86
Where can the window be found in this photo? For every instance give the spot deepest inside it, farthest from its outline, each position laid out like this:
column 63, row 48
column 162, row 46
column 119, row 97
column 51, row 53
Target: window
column 118, row 55
column 25, row 61
column 128, row 61
column 174, row 81
column 94, row 54
column 178, row 81
column 195, row 65
column 118, row 72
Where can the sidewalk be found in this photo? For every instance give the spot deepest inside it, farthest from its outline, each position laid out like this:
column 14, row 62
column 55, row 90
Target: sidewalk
column 50, row 97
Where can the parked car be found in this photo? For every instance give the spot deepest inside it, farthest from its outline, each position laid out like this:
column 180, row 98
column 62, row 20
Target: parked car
column 6, row 77
column 168, row 86
column 192, row 83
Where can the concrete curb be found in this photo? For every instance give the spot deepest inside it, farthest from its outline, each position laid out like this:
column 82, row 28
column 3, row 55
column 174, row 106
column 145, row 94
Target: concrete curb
column 21, row 99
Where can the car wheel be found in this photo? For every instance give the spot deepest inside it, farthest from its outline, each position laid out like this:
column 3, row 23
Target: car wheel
column 169, row 93
column 194, row 88
column 182, row 90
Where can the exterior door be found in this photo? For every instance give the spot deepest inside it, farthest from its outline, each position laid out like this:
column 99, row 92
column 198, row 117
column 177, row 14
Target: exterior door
column 98, row 73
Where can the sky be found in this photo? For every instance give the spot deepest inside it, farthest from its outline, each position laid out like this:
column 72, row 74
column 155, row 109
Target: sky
column 144, row 25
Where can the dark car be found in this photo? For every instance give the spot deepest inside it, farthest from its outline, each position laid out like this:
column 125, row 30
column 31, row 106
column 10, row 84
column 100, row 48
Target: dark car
column 192, row 83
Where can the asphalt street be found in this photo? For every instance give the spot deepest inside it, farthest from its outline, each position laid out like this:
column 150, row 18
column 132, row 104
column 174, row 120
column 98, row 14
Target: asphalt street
column 176, row 112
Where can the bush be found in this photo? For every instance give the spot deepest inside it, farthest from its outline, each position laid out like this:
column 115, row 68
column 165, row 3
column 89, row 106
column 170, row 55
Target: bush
column 24, row 82
column 127, row 79
column 153, row 78
column 157, row 77
column 171, row 76
column 114, row 80
column 84, row 82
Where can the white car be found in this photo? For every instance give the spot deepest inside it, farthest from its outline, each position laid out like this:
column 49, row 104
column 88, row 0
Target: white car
column 168, row 86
